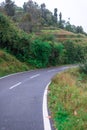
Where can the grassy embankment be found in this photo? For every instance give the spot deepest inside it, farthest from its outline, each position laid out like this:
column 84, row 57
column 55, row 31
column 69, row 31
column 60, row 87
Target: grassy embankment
column 9, row 64
column 68, row 100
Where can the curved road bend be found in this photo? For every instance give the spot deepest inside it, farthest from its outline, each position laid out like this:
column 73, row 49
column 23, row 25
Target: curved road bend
column 21, row 99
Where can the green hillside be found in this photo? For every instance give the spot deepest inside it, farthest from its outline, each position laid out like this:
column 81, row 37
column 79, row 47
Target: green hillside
column 9, row 64
column 51, row 46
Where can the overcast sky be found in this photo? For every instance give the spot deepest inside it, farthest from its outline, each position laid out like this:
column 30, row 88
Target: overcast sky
column 76, row 10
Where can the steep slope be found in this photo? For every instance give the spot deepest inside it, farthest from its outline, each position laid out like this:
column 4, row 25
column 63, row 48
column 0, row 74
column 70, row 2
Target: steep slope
column 9, row 64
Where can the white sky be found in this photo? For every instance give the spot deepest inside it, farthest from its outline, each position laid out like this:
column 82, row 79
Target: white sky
column 76, row 10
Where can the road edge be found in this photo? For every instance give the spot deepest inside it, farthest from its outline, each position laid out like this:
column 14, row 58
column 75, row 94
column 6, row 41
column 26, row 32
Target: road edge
column 2, row 77
column 46, row 121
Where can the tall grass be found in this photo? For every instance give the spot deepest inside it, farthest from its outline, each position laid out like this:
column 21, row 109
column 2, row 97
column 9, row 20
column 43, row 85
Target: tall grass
column 68, row 100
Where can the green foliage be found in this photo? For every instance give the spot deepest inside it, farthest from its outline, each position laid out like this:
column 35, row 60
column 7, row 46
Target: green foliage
column 68, row 27
column 73, row 52
column 73, row 28
column 14, row 40
column 45, row 53
column 79, row 29
column 40, row 52
column 70, row 51
column 57, row 51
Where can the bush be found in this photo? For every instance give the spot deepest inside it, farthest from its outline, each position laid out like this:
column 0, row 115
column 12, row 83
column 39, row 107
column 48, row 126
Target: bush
column 40, row 52
column 56, row 52
column 70, row 51
column 73, row 52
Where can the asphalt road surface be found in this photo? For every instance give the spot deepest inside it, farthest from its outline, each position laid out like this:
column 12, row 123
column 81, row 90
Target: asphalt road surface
column 21, row 99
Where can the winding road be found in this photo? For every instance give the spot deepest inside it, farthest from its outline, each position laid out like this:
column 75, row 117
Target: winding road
column 21, row 99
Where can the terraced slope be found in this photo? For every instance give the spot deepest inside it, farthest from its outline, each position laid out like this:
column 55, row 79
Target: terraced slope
column 63, row 35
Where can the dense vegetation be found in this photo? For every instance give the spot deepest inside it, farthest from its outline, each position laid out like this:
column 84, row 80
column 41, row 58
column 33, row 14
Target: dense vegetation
column 41, row 51
column 38, row 43
column 67, row 100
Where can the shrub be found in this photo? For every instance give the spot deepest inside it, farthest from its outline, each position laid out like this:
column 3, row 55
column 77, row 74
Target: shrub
column 73, row 52
column 56, row 52
column 70, row 51
column 40, row 52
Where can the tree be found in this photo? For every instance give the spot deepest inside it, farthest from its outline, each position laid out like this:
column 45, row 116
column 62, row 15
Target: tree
column 68, row 26
column 43, row 8
column 9, row 7
column 60, row 17
column 48, row 19
column 60, row 20
column 47, row 16
column 79, row 29
column 55, row 15
column 26, row 23
column 33, row 12
column 25, row 7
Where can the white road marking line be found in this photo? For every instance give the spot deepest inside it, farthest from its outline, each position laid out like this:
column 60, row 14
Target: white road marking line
column 34, row 76
column 24, row 81
column 51, row 70
column 15, row 85
column 47, row 125
column 15, row 74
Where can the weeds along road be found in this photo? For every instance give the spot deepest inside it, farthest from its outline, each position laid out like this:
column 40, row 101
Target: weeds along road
column 21, row 99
